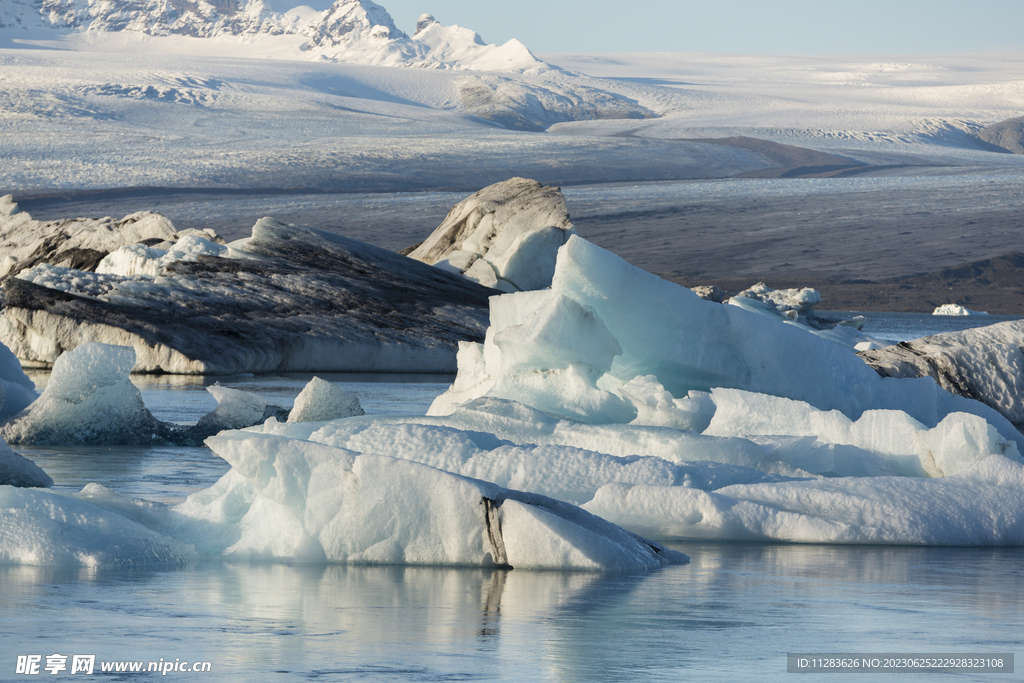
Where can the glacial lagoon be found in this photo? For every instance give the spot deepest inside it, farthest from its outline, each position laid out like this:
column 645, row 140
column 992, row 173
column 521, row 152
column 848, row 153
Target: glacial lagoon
column 732, row 613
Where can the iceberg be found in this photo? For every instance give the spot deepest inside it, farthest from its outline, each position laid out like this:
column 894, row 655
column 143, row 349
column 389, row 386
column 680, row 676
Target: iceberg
column 321, row 401
column 288, row 298
column 955, row 309
column 571, row 470
column 982, row 363
column 236, row 409
column 800, row 302
column 880, row 442
column 79, row 243
column 287, row 500
column 46, row 528
column 90, row 399
column 570, row 350
column 676, row 496
column 505, row 236
column 981, row 506
column 17, row 470
column 17, row 391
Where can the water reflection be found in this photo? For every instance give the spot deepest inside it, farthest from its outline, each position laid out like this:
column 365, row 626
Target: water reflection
column 732, row 614
column 311, row 620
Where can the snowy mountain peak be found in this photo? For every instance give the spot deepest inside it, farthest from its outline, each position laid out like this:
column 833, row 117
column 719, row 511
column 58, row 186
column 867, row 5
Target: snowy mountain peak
column 354, row 31
column 348, row 21
column 423, row 22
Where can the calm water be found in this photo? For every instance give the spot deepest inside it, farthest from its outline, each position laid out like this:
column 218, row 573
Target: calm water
column 732, row 614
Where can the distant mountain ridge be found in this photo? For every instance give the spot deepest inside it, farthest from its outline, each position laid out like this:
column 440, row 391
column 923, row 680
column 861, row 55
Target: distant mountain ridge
column 1007, row 134
column 358, row 31
column 195, row 18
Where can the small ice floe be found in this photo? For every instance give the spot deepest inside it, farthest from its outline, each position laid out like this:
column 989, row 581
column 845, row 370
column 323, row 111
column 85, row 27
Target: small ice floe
column 321, row 401
column 955, row 309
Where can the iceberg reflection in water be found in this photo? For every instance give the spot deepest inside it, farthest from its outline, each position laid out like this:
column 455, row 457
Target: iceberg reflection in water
column 732, row 614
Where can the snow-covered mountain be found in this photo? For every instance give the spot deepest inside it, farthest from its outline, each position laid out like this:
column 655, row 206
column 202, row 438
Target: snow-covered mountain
column 353, row 31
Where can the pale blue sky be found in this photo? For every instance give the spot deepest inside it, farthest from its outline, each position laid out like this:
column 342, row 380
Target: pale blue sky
column 740, row 26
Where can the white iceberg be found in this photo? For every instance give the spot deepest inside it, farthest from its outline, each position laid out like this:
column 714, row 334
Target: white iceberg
column 571, row 471
column 46, row 528
column 956, row 310
column 678, row 500
column 982, row 506
column 294, row 501
column 236, row 409
column 879, row 442
column 89, row 399
column 800, row 302
column 321, row 401
column 569, row 351
column 288, row 499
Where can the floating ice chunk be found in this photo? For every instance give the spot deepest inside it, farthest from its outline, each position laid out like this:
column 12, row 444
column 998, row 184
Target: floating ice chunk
column 16, row 470
column 802, row 301
column 982, row 506
column 845, row 333
column 955, row 309
column 46, row 528
column 89, row 399
column 237, row 409
column 320, row 401
column 310, row 502
column 17, row 391
column 288, row 500
column 505, row 236
column 881, row 439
